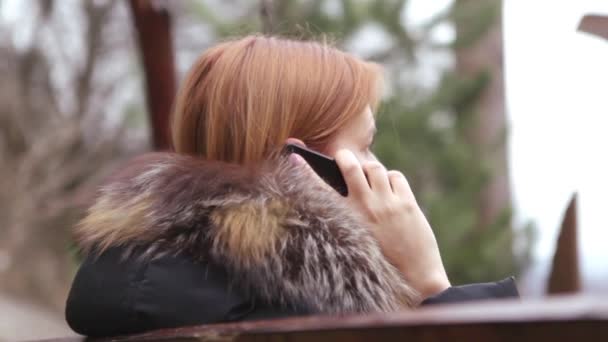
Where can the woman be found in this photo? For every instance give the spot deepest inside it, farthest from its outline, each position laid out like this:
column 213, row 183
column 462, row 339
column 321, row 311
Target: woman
column 227, row 229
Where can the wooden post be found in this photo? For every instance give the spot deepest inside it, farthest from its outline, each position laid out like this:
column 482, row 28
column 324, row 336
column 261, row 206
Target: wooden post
column 565, row 275
column 153, row 26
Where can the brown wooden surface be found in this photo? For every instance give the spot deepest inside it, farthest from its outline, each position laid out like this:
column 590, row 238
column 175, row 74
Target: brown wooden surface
column 555, row 319
column 565, row 275
column 595, row 24
column 152, row 22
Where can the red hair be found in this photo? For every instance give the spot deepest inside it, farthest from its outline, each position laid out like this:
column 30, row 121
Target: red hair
column 242, row 99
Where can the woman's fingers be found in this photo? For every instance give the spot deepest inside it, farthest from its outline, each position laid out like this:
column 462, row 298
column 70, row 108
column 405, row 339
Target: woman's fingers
column 377, row 177
column 352, row 173
column 400, row 186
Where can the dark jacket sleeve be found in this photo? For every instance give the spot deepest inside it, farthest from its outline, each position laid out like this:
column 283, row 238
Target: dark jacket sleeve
column 114, row 296
column 474, row 292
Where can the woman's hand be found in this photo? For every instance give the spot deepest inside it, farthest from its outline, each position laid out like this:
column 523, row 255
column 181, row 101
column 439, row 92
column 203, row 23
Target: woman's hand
column 405, row 236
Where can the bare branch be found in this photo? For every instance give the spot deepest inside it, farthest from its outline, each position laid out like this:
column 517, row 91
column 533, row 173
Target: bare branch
column 97, row 16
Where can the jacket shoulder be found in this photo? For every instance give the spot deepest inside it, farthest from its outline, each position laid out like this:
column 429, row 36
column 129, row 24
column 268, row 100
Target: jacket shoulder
column 473, row 292
column 111, row 295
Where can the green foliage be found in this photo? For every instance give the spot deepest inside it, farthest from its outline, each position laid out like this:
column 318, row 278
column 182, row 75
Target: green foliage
column 425, row 133
column 428, row 142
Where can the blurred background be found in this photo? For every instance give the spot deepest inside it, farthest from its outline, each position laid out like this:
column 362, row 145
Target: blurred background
column 495, row 111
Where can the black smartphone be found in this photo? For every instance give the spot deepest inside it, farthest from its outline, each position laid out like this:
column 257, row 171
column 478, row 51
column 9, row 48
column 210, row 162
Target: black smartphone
column 326, row 167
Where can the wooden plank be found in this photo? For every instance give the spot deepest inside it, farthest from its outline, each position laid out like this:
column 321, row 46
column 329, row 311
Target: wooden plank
column 595, row 24
column 555, row 319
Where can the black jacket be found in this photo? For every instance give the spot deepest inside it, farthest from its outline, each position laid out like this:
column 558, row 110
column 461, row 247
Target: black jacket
column 175, row 241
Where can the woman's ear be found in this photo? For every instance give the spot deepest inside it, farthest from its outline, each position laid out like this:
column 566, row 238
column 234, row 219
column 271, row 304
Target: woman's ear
column 295, row 141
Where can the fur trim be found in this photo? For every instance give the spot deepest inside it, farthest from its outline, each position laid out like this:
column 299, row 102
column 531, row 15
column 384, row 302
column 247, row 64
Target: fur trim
column 279, row 236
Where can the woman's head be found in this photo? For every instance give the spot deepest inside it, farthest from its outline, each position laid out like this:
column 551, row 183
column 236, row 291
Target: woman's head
column 242, row 99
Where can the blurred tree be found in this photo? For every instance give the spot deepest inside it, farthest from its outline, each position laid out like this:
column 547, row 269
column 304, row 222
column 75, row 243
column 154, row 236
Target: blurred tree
column 55, row 141
column 454, row 150
column 479, row 57
column 449, row 137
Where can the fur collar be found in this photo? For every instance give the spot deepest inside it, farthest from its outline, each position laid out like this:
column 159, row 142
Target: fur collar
column 280, row 237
